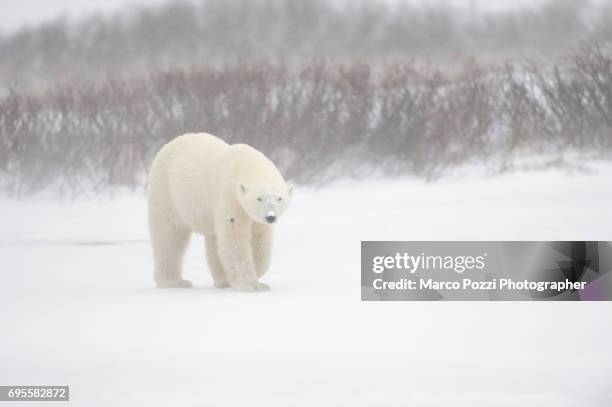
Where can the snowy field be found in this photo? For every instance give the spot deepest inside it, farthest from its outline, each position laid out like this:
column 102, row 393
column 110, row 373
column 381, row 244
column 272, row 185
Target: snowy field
column 78, row 307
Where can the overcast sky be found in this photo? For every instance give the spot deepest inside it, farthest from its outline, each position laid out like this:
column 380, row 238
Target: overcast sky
column 16, row 13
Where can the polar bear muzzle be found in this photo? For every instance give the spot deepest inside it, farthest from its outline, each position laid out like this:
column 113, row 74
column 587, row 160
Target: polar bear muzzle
column 271, row 217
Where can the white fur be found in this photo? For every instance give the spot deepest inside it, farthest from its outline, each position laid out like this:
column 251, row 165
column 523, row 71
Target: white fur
column 198, row 183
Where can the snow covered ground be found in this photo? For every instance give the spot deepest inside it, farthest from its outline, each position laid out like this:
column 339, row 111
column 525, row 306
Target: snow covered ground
column 78, row 307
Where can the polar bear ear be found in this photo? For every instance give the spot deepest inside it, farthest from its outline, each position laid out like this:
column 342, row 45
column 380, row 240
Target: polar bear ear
column 243, row 189
column 289, row 188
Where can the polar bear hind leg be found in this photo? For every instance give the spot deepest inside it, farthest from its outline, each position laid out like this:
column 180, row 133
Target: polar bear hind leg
column 169, row 240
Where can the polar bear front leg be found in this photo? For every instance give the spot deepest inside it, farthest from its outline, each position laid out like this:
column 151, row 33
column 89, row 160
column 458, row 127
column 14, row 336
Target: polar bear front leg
column 261, row 242
column 214, row 263
column 236, row 255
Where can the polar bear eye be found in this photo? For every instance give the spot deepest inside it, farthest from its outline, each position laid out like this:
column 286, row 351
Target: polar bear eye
column 279, row 199
column 260, row 199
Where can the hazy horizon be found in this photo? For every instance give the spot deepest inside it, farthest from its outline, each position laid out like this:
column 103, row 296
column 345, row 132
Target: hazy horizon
column 33, row 12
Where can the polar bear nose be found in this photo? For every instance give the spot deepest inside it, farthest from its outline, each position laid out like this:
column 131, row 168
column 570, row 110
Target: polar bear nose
column 271, row 217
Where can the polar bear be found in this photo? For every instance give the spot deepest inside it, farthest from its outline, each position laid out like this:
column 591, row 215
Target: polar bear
column 231, row 194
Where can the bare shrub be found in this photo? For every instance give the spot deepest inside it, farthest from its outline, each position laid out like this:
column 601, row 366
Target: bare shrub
column 317, row 120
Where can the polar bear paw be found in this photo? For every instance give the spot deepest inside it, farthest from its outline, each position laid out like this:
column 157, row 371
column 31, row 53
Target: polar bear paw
column 249, row 286
column 175, row 284
column 221, row 284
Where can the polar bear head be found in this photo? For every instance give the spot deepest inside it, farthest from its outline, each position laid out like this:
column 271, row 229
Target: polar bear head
column 264, row 203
